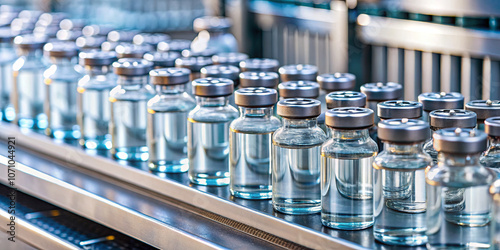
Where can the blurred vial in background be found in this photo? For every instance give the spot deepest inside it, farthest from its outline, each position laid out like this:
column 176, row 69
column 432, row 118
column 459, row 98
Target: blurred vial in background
column 96, row 30
column 176, row 45
column 28, row 89
column 298, row 89
column 61, row 79
column 208, row 132
column 495, row 223
column 259, row 79
column 298, row 72
column 229, row 58
column 88, row 43
column 7, row 58
column 441, row 100
column 130, row 50
column 334, row 82
column 491, row 157
column 207, row 52
column 162, row 59
column 340, row 99
column 259, row 65
column 167, row 120
column 129, row 99
column 150, row 39
column 194, row 64
column 380, row 92
column 213, row 32
column 250, row 140
column 94, row 110
column 484, row 109
column 115, row 37
column 223, row 71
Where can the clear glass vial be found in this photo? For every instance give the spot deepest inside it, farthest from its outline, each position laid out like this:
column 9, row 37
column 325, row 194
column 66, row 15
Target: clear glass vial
column 94, row 111
column 229, row 58
column 213, row 32
column 459, row 207
column 62, row 79
column 7, row 59
column 380, row 92
column 129, row 99
column 208, row 131
column 448, row 118
column 442, row 100
column 28, row 89
column 296, row 157
column 129, row 50
column 250, row 143
column 339, row 99
column 399, row 201
column 162, row 59
column 334, row 82
column 346, row 169
column 298, row 72
column 491, row 157
column 495, row 223
column 484, row 110
column 167, row 120
column 259, row 65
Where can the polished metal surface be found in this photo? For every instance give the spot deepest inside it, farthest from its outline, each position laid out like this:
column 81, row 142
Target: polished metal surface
column 460, row 141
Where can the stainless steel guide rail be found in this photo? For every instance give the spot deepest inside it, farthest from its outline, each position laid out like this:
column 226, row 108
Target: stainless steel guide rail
column 161, row 212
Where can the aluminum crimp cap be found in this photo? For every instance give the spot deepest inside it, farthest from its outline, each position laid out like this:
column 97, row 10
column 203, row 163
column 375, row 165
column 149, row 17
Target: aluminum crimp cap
column 60, row 49
column 349, row 118
column 452, row 118
column 132, row 67
column 211, row 23
column 90, row 42
column 259, row 79
column 169, row 76
column 97, row 58
column 336, row 81
column 299, row 108
column 162, row 59
column 193, row 63
column 177, row 45
column 213, row 87
column 405, row 131
column 348, row 98
column 122, row 36
column 299, row 89
column 130, row 50
column 230, row 58
column 150, row 38
column 220, row 71
column 382, row 91
column 259, row 65
column 460, row 141
column 207, row 52
column 492, row 126
column 442, row 100
column 30, row 41
column 399, row 109
column 255, row 97
column 298, row 72
column 484, row 108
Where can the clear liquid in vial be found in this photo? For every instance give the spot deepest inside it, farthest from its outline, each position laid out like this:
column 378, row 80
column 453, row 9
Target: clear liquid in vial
column 347, row 192
column 8, row 112
column 61, row 107
column 128, row 129
column 208, row 152
column 251, row 166
column 167, row 141
column 296, row 179
column 94, row 116
column 28, row 99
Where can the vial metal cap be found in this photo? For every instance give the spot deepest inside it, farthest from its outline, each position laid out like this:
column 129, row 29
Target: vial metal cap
column 259, row 79
column 399, row 109
column 207, row 52
column 129, row 50
column 382, row 91
column 96, row 30
column 53, row 18
column 60, row 49
column 177, row 45
column 298, row 72
column 211, row 23
column 212, row 87
column 484, row 108
column 255, row 97
column 349, row 118
column 30, row 41
column 124, row 36
column 151, row 39
column 132, row 67
column 90, row 42
column 220, row 71
column 259, row 65
column 452, row 118
column 68, row 35
column 231, row 58
column 169, row 76
column 492, row 126
column 299, row 108
column 299, row 89
column 403, row 130
column 72, row 24
column 193, row 63
column 162, row 59
column 6, row 35
column 348, row 98
column 336, row 81
column 459, row 140
column 442, row 100
column 97, row 58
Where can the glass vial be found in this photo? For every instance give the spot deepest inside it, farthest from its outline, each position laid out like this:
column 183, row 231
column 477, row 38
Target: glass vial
column 194, row 64
column 495, row 223
column 208, row 131
column 213, row 32
column 381, row 92
column 94, row 111
column 399, row 201
column 62, row 79
column 442, row 100
column 229, row 58
column 334, row 82
column 346, row 169
column 221, row 71
column 448, row 118
column 296, row 157
column 250, row 143
column 175, row 45
column 7, row 58
column 259, row 65
column 167, row 120
column 128, row 120
column 28, row 89
column 129, row 50
column 459, row 206
column 162, row 59
column 484, row 110
column 298, row 72
column 150, row 39
column 491, row 157
column 339, row 99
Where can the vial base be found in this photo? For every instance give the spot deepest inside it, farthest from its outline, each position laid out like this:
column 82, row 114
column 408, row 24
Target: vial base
column 8, row 114
column 252, row 192
column 347, row 222
column 130, row 153
column 162, row 166
column 219, row 178
column 401, row 237
column 39, row 124
column 61, row 134
column 98, row 142
column 297, row 206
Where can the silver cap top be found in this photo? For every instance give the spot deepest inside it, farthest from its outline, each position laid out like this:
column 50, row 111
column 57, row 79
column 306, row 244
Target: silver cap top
column 259, row 79
column 132, row 67
column 212, row 87
column 6, row 35
column 299, row 108
column 193, row 63
column 441, row 100
column 151, row 39
column 207, row 52
column 336, row 81
column 255, row 97
column 299, row 89
column 162, row 59
column 459, row 140
column 452, row 118
column 96, row 30
column 130, row 50
column 492, row 126
column 211, row 23
column 298, row 72
column 220, row 71
column 403, row 130
column 30, row 41
column 349, row 118
column 90, row 42
column 382, row 91
column 259, row 65
column 231, row 58
column 60, row 49
column 169, row 76
column 484, row 108
column 122, row 36
column 348, row 98
column 97, row 58
column 399, row 109
column 68, row 35
column 177, row 45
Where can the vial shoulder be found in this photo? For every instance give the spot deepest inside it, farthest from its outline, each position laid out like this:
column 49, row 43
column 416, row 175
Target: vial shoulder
column 141, row 94
column 299, row 136
column 177, row 103
column 24, row 63
column 255, row 125
column 101, row 82
column 213, row 114
column 62, row 74
column 402, row 161
column 467, row 176
column 359, row 148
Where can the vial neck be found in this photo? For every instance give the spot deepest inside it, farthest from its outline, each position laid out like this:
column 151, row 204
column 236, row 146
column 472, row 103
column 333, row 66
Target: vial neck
column 262, row 113
column 170, row 89
column 458, row 160
column 133, row 80
column 212, row 101
column 299, row 123
column 30, row 53
column 401, row 149
column 97, row 70
column 342, row 134
column 6, row 46
column 62, row 61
